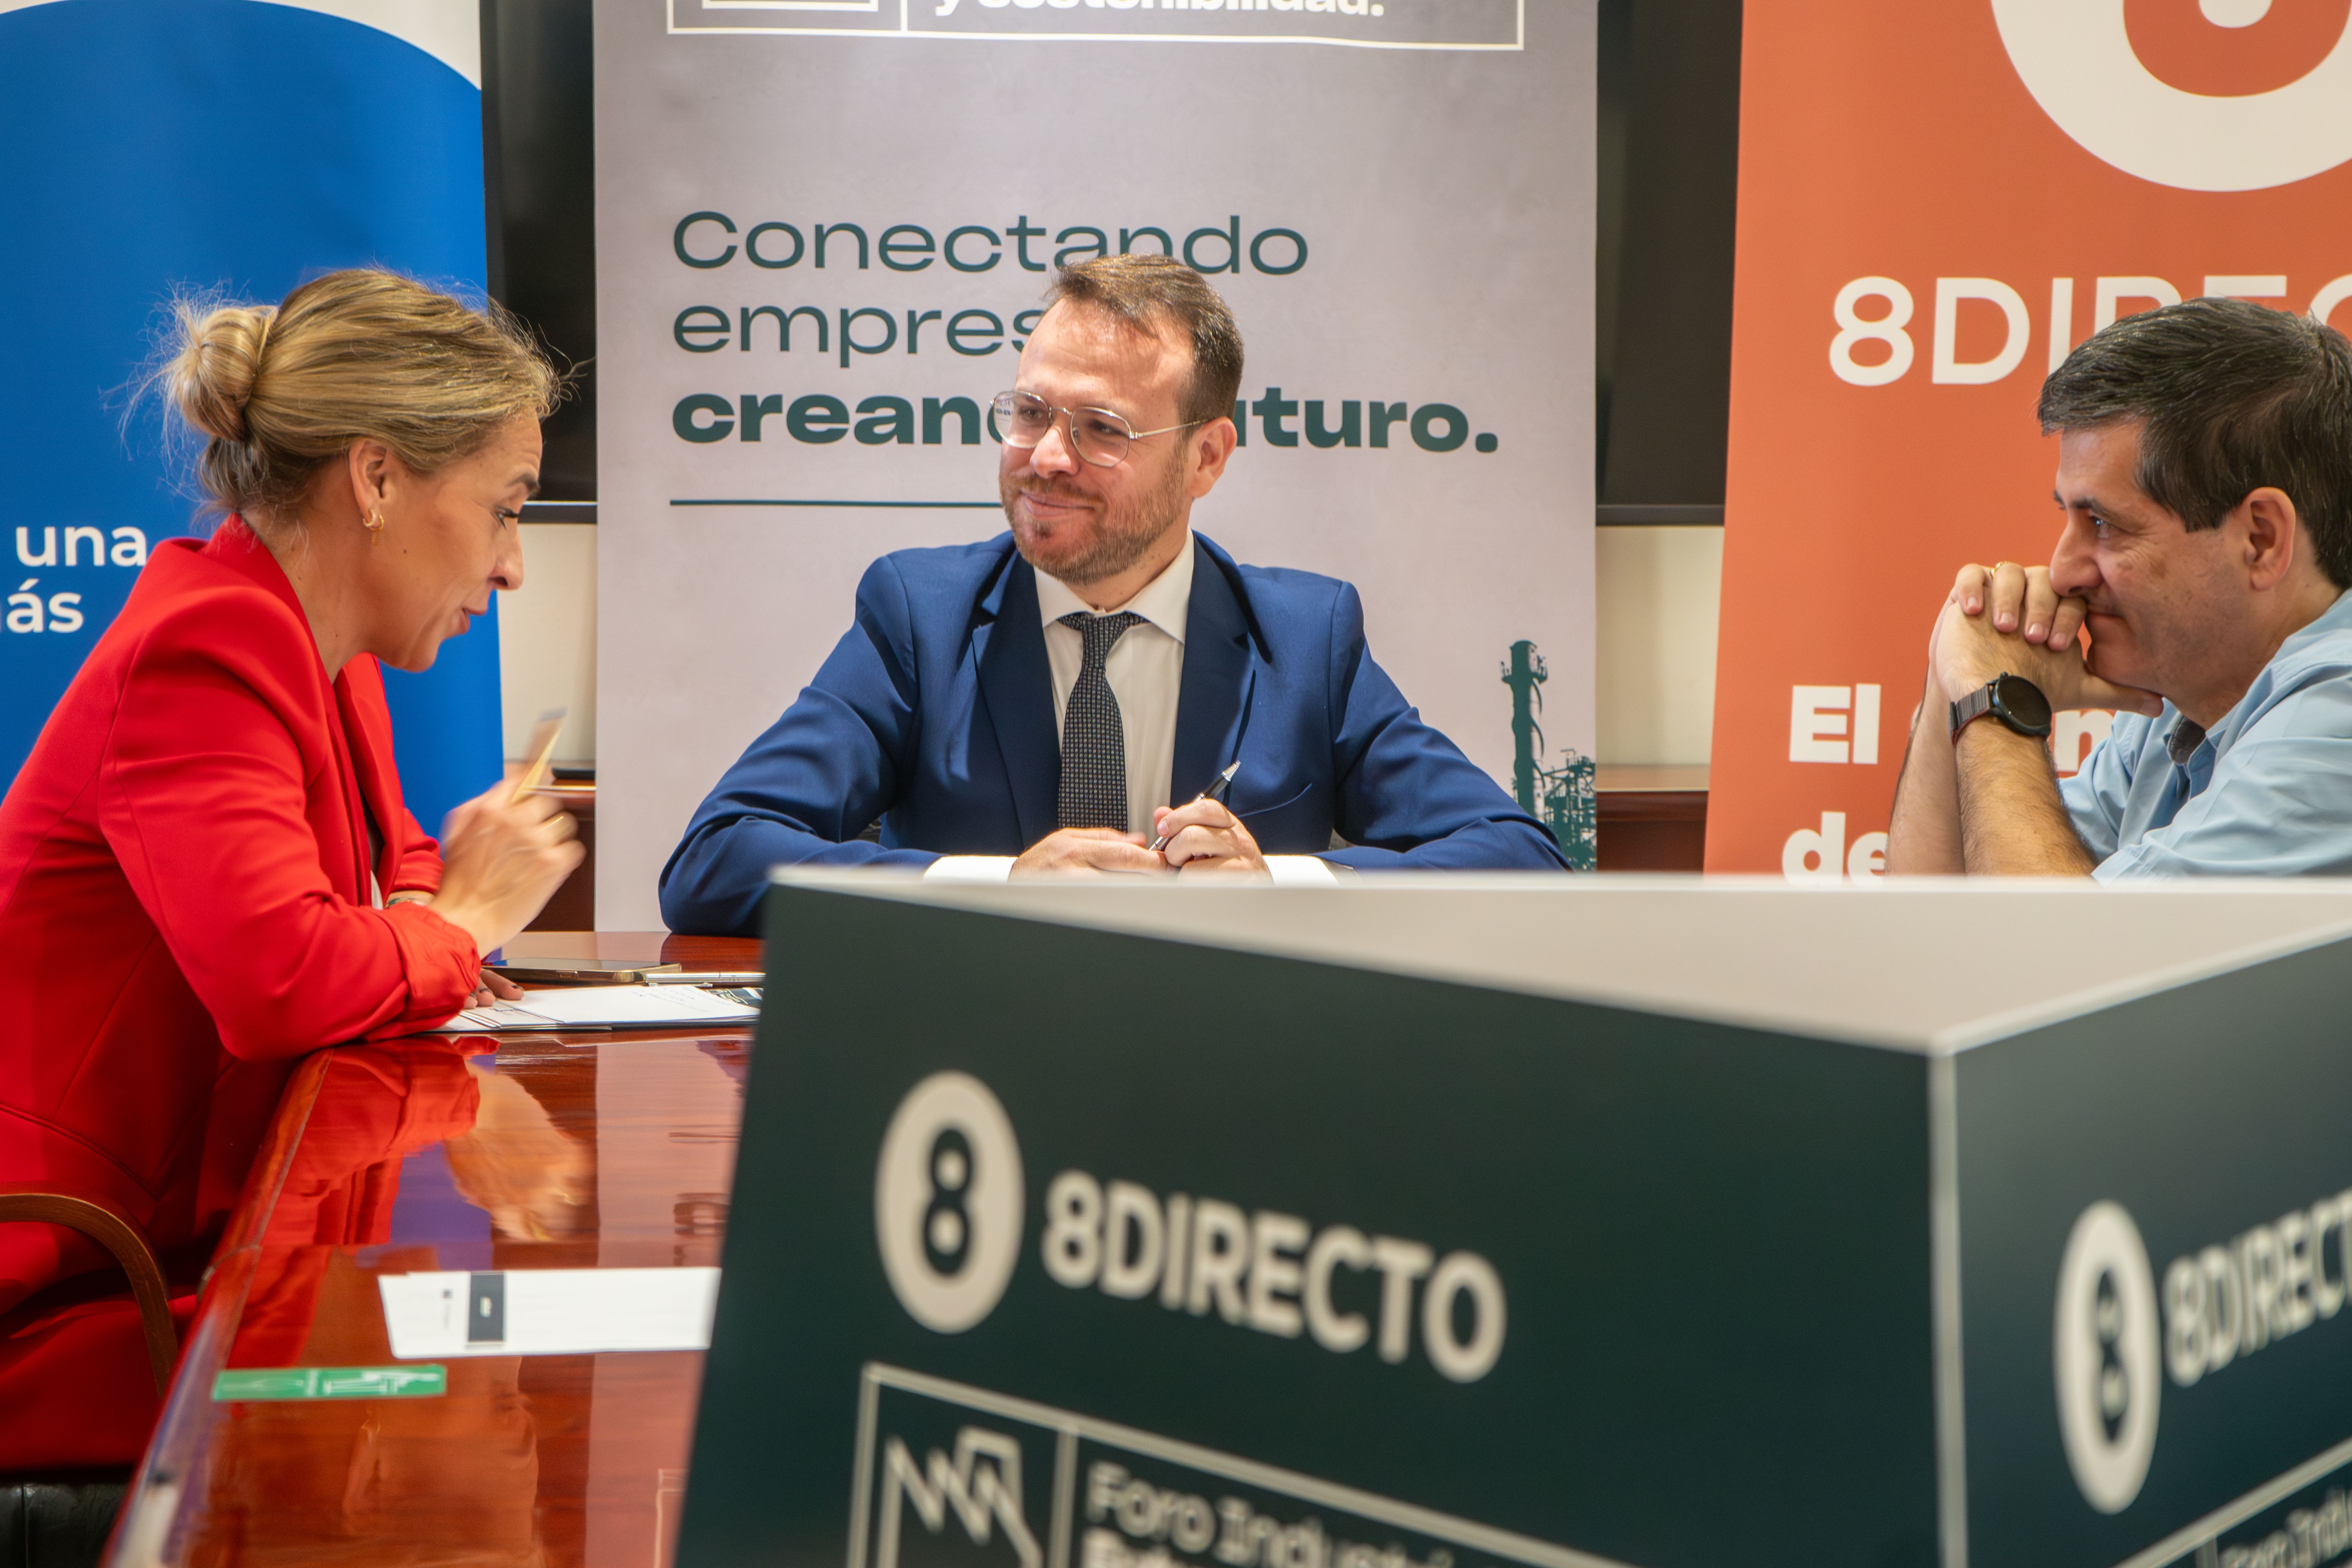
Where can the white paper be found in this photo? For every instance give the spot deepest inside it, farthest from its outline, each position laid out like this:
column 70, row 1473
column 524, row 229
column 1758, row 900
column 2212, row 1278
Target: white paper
column 594, row 1006
column 554, row 1312
column 1287, row 871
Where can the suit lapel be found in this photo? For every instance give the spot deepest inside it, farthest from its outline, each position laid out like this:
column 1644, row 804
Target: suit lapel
column 1213, row 703
column 1016, row 688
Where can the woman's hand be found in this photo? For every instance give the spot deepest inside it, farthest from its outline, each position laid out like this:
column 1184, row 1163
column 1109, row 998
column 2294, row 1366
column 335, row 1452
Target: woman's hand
column 492, row 986
column 501, row 862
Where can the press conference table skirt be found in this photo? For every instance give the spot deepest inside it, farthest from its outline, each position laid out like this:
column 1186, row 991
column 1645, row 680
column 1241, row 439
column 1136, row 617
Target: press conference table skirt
column 598, row 1151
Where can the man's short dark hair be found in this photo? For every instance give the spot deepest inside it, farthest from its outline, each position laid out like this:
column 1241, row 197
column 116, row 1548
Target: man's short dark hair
column 2231, row 396
column 1149, row 290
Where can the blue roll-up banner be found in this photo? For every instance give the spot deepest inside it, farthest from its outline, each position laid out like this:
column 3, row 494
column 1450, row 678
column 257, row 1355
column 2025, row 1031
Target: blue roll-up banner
column 224, row 145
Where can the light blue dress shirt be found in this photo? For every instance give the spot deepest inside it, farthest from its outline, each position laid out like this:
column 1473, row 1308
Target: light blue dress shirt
column 2266, row 792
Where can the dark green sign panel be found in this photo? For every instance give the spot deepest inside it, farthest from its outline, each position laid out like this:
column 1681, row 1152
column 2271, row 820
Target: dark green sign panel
column 2153, row 1207
column 1061, row 1246
column 1412, row 1273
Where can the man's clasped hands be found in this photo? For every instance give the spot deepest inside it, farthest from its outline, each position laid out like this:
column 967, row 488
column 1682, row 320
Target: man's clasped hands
column 2008, row 619
column 1203, row 839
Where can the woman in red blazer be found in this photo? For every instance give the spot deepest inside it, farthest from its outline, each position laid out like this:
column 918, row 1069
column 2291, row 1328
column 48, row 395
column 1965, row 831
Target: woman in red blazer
column 206, row 867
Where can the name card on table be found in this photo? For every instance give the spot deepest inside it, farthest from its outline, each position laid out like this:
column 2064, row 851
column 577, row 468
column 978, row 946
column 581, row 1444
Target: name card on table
column 548, row 1311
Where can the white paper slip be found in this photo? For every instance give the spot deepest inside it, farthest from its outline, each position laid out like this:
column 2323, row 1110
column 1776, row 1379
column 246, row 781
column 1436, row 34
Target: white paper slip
column 548, row 1311
column 601, row 1008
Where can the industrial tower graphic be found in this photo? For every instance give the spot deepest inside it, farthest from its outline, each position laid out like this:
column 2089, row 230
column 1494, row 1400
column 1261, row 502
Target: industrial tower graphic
column 1561, row 797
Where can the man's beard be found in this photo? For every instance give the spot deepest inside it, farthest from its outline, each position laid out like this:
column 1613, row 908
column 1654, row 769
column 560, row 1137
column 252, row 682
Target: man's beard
column 1126, row 533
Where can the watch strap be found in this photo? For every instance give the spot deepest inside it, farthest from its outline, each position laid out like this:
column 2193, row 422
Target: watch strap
column 1975, row 705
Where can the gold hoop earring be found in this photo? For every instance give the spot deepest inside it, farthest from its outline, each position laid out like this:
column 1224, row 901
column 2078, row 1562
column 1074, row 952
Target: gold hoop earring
column 374, row 525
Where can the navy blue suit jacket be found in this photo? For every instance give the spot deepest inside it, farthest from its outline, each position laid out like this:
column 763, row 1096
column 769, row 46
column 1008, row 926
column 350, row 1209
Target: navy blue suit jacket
column 935, row 714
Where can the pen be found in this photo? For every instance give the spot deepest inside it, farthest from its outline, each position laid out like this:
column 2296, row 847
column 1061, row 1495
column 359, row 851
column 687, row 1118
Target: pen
column 542, row 746
column 1216, row 792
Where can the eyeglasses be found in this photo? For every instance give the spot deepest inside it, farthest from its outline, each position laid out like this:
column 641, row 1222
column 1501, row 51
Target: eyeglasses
column 1096, row 435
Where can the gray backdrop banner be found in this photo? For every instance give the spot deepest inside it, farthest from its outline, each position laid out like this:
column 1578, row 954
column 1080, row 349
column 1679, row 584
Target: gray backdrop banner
column 823, row 230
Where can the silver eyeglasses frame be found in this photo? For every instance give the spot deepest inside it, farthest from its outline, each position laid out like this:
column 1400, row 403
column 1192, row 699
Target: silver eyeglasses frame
column 1007, row 404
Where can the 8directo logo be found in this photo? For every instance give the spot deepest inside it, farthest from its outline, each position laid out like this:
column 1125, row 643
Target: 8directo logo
column 948, row 1219
column 2104, row 1351
column 2219, row 1304
column 948, row 1202
column 2075, row 56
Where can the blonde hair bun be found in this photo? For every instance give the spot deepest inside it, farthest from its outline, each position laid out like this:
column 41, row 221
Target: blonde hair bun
column 213, row 376
column 281, row 391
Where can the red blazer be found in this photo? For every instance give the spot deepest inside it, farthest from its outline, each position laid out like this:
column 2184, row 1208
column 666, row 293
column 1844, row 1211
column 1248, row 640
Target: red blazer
column 184, row 910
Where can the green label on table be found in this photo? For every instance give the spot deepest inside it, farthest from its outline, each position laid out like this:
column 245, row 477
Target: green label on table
column 331, row 1382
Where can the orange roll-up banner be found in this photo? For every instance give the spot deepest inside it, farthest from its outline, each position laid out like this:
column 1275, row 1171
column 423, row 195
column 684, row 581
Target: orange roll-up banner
column 1937, row 200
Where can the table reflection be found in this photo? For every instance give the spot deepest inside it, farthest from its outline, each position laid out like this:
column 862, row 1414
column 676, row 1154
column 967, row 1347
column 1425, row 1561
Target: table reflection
column 376, row 1109
column 454, row 1479
column 457, row 1154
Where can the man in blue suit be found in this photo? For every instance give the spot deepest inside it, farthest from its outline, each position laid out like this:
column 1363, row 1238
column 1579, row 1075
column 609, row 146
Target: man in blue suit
column 1034, row 704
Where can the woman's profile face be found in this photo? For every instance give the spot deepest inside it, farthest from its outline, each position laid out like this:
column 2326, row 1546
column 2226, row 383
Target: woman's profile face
column 450, row 540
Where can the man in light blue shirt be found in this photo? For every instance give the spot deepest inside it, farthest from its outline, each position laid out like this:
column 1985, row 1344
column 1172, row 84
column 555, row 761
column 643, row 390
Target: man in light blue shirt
column 2205, row 471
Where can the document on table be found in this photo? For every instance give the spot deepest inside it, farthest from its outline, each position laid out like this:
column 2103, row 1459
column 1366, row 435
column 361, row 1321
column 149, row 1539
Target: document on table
column 548, row 1311
column 609, row 1007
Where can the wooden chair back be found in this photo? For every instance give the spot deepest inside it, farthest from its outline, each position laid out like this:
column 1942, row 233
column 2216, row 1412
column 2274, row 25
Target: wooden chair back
column 120, row 1235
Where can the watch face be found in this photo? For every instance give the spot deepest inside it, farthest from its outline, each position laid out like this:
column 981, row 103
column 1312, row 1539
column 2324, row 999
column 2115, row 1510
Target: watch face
column 2021, row 700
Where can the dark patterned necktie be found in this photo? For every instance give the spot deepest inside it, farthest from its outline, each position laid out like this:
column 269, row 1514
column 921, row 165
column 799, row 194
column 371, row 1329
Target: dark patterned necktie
column 1093, row 744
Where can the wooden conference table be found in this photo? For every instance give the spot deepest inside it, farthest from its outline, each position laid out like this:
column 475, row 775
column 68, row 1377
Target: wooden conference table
column 565, row 1151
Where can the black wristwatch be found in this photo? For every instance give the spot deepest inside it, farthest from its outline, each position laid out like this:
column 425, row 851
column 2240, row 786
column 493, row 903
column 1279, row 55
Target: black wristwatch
column 2011, row 699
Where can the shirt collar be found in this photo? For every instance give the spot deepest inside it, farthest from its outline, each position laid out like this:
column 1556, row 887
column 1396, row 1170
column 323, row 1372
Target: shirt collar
column 1165, row 601
column 2336, row 617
